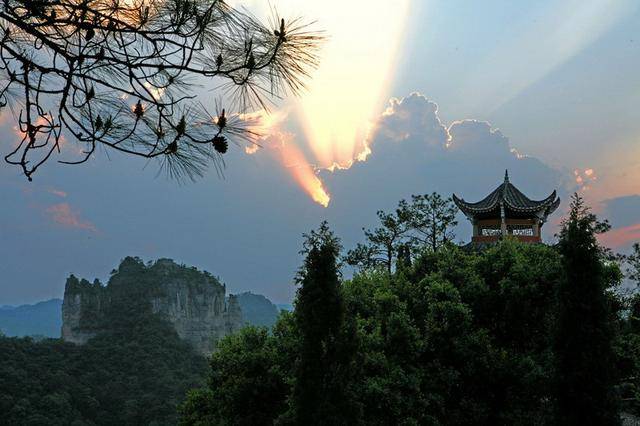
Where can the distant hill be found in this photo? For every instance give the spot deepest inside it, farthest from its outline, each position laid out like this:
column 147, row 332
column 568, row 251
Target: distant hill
column 257, row 309
column 40, row 319
column 285, row 307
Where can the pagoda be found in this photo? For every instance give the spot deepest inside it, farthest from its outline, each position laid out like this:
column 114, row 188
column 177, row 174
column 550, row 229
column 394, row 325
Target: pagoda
column 507, row 211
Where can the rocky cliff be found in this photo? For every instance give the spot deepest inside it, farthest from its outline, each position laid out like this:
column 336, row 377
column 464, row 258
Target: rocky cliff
column 192, row 301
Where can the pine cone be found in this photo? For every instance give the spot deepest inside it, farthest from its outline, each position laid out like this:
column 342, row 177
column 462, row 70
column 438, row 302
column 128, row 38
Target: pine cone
column 220, row 144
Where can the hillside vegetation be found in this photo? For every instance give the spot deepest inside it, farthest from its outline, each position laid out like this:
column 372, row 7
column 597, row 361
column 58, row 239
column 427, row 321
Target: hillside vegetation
column 514, row 334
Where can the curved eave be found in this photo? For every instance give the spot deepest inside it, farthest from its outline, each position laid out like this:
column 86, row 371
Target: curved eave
column 554, row 206
column 491, row 203
column 536, row 205
column 471, row 208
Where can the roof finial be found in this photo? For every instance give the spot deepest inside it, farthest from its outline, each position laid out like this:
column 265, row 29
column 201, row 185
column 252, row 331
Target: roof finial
column 506, row 175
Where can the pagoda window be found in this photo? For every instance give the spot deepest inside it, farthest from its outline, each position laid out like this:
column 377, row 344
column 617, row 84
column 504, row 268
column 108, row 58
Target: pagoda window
column 490, row 231
column 521, row 230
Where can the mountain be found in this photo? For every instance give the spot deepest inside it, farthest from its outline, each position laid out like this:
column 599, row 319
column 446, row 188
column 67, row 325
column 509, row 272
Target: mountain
column 192, row 301
column 257, row 309
column 45, row 318
column 40, row 319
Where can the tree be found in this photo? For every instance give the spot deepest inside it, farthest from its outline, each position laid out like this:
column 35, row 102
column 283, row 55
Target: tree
column 245, row 385
column 319, row 394
column 426, row 221
column 117, row 74
column 633, row 262
column 383, row 243
column 585, row 376
column 431, row 217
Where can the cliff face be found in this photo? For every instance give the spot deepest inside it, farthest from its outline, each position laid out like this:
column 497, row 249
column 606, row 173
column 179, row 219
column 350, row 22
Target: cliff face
column 82, row 300
column 192, row 301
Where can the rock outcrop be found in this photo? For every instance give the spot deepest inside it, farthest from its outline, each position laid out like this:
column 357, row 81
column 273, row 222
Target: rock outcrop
column 194, row 302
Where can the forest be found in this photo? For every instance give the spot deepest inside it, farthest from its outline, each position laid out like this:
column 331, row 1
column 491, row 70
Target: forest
column 136, row 374
column 439, row 334
column 444, row 334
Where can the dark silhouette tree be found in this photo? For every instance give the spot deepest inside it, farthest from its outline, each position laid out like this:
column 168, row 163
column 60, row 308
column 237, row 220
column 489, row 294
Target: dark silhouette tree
column 431, row 218
column 426, row 221
column 319, row 393
column 119, row 74
column 585, row 361
column 383, row 243
column 633, row 264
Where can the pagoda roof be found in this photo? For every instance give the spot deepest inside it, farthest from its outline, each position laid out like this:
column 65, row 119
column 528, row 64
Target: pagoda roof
column 512, row 198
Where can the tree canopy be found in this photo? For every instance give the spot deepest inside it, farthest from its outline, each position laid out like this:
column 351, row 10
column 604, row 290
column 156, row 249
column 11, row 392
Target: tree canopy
column 584, row 353
column 458, row 336
column 425, row 223
column 137, row 374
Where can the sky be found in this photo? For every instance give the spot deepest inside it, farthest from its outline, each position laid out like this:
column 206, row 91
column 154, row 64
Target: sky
column 411, row 97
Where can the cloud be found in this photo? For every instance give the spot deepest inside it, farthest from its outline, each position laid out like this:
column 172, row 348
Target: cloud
column 64, row 215
column 585, row 179
column 413, row 151
column 256, row 215
column 622, row 211
column 411, row 128
column 621, row 238
column 624, row 215
column 412, row 116
column 410, row 142
column 57, row 192
column 280, row 143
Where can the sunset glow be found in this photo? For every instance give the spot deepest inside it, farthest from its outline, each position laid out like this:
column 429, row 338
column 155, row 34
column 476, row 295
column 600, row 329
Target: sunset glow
column 347, row 90
column 585, row 178
column 297, row 165
column 354, row 76
column 281, row 145
column 620, row 237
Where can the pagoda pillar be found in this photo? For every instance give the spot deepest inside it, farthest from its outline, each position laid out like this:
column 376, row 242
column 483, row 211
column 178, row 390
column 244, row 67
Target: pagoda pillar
column 503, row 221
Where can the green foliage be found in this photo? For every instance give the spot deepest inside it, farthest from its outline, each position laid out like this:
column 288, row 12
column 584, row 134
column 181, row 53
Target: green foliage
column 430, row 217
column 425, row 224
column 514, row 334
column 319, row 393
column 137, row 377
column 246, row 387
column 457, row 338
column 585, row 359
column 135, row 371
column 382, row 243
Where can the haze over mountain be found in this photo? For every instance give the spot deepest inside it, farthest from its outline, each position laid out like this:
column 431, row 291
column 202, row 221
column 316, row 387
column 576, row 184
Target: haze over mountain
column 40, row 319
column 44, row 319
